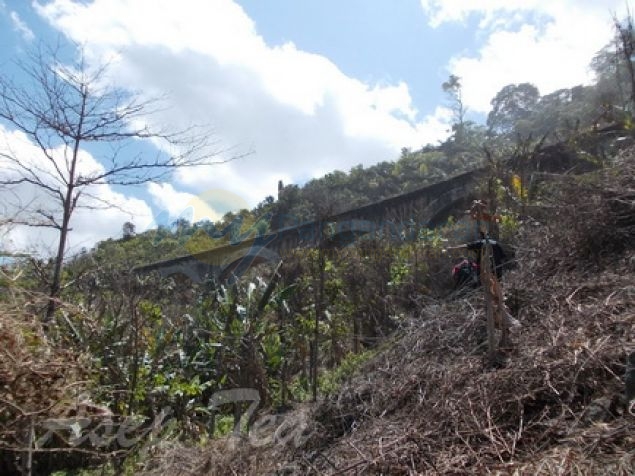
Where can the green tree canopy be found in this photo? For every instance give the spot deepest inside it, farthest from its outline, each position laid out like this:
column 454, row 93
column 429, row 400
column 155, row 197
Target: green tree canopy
column 511, row 104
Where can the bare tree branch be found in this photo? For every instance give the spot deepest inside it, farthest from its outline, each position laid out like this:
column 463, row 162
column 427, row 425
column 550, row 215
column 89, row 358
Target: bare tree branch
column 64, row 109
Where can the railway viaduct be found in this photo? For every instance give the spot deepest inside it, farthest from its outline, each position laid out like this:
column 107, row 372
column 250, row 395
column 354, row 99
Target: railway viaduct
column 393, row 217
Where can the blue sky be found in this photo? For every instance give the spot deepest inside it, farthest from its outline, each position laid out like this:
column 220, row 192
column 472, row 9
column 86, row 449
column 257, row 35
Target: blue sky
column 306, row 86
column 358, row 37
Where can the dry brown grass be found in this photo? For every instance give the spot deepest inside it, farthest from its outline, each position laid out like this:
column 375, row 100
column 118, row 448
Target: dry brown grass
column 39, row 380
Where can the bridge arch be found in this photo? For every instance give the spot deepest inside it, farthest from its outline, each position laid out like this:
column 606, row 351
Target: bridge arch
column 459, row 205
column 195, row 270
column 239, row 262
column 346, row 232
column 440, row 209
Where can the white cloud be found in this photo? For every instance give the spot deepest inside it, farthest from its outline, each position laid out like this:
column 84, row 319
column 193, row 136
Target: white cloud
column 91, row 226
column 246, row 185
column 491, row 11
column 21, row 27
column 101, row 211
column 437, row 125
column 297, row 111
column 169, row 200
column 545, row 42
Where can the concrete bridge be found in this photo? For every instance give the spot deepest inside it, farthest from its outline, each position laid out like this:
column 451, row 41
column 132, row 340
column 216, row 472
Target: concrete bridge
column 393, row 217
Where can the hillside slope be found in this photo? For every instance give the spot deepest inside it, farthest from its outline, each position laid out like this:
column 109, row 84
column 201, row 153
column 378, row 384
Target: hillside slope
column 429, row 404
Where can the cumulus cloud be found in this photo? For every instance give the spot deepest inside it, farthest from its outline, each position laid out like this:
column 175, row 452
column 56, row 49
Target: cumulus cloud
column 169, row 200
column 436, row 125
column 296, row 110
column 209, row 204
column 547, row 43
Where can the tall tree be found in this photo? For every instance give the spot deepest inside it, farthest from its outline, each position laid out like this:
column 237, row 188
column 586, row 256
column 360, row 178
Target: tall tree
column 611, row 76
column 511, row 104
column 128, row 230
column 453, row 88
column 323, row 205
column 64, row 108
column 626, row 49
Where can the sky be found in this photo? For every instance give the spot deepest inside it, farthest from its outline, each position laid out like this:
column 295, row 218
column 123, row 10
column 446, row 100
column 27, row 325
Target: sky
column 299, row 87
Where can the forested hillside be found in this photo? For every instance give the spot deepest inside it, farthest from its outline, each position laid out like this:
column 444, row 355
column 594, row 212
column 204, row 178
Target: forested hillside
column 365, row 359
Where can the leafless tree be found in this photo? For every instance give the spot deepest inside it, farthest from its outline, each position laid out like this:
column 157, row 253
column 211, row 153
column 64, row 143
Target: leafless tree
column 66, row 109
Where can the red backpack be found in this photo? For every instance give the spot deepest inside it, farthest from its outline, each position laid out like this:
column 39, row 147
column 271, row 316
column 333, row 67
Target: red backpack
column 465, row 273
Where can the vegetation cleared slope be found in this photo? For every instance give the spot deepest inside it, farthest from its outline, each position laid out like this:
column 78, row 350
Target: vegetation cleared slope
column 430, row 404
